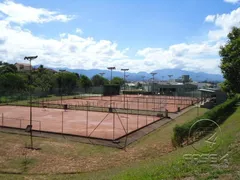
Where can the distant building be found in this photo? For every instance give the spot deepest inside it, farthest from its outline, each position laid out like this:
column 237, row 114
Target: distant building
column 204, row 85
column 22, row 67
column 185, row 78
column 174, row 88
column 212, row 96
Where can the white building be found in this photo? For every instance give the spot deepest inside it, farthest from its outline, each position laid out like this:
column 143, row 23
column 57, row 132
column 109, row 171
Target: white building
column 22, row 66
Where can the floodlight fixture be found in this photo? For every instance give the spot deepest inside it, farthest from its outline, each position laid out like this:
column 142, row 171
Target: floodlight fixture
column 30, row 58
column 124, row 76
column 153, row 74
column 111, row 68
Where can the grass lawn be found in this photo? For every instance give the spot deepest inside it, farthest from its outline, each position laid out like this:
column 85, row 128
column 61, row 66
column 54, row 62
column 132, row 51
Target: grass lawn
column 152, row 157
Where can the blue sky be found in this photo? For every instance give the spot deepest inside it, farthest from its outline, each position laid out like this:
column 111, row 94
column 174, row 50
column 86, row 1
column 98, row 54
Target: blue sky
column 137, row 23
column 141, row 35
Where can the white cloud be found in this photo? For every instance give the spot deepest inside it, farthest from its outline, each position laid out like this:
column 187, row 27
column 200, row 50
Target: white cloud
column 232, row 1
column 79, row 31
column 70, row 50
column 74, row 51
column 21, row 14
column 224, row 23
column 194, row 57
column 210, row 18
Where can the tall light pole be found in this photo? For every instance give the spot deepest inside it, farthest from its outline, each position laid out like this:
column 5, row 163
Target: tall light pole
column 143, row 78
column 102, row 74
column 30, row 58
column 148, row 83
column 124, row 71
column 61, row 82
column 143, row 82
column 153, row 74
column 111, row 68
column 126, row 76
column 170, row 77
column 197, row 88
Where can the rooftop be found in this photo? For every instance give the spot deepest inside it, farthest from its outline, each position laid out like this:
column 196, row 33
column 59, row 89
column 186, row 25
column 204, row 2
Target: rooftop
column 24, row 64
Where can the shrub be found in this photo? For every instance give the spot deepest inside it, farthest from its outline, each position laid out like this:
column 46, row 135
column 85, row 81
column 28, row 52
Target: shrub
column 218, row 114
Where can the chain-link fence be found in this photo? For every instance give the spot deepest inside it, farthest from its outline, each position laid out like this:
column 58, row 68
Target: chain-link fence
column 88, row 124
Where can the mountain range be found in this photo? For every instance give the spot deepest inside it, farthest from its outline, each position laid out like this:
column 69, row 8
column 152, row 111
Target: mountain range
column 161, row 74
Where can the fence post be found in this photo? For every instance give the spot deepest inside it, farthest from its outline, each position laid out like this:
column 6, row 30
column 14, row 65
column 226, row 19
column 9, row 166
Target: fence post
column 138, row 114
column 127, row 124
column 166, row 113
column 87, row 121
column 147, row 104
column 113, row 125
column 127, row 115
column 62, row 122
column 2, row 119
column 146, row 110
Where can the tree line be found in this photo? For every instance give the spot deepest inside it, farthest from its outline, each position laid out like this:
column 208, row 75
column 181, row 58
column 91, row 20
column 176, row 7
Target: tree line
column 46, row 80
column 230, row 62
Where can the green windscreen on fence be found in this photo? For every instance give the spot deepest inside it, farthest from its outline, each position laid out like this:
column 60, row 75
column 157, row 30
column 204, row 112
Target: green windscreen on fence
column 111, row 89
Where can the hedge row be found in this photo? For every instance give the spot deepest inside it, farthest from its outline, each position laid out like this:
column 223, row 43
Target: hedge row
column 218, row 114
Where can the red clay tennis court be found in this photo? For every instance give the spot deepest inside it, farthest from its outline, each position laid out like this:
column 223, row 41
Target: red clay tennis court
column 83, row 123
column 136, row 102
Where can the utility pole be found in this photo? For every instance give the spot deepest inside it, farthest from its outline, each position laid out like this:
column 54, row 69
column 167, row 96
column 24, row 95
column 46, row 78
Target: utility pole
column 61, row 81
column 111, row 68
column 153, row 74
column 30, row 58
column 126, row 76
column 124, row 71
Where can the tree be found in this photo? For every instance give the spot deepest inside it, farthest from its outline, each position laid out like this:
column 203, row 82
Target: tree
column 66, row 81
column 44, row 80
column 85, row 82
column 11, row 83
column 118, row 81
column 78, row 76
column 41, row 68
column 8, row 68
column 98, row 80
column 230, row 62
